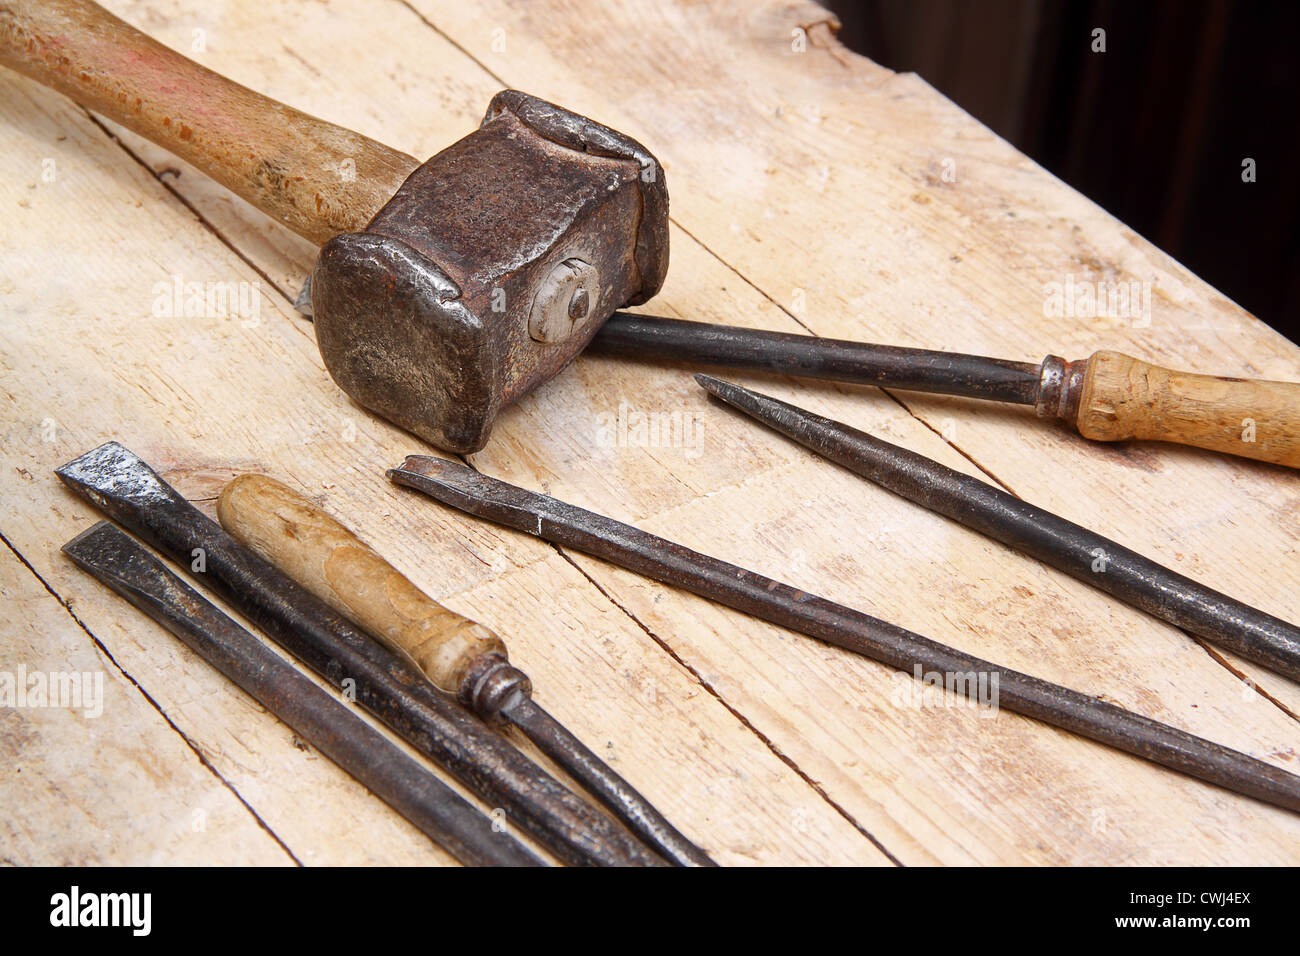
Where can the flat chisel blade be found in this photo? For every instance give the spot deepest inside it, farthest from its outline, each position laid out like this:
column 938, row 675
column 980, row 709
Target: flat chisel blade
column 116, row 560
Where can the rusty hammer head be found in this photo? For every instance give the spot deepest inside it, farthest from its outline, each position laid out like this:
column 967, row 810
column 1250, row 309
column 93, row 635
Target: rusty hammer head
column 490, row 268
column 479, row 277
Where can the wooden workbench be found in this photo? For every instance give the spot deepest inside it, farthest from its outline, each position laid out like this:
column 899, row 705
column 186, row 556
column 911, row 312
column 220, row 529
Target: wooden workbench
column 811, row 190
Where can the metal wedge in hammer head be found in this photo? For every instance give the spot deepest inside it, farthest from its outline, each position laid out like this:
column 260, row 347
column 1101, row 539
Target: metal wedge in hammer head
column 443, row 291
column 489, row 270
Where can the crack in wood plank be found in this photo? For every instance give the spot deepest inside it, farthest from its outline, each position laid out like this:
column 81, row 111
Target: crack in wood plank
column 735, row 712
column 829, row 43
column 189, row 743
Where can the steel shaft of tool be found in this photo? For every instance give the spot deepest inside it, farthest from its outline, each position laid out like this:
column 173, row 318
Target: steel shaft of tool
column 129, row 491
column 650, row 338
column 1108, row 396
column 464, row 831
column 459, row 655
column 626, row 546
column 598, row 779
column 1064, row 545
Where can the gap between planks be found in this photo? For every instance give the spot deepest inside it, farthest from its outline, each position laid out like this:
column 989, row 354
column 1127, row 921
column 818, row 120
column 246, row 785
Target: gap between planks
column 834, row 48
column 193, row 747
column 289, row 297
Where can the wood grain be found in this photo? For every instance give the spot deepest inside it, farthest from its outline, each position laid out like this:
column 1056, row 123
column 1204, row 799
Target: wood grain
column 1122, row 397
column 327, row 559
column 317, row 178
column 67, row 768
column 808, row 194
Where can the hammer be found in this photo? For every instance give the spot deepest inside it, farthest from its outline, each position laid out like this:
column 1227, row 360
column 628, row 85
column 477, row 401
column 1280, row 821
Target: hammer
column 447, row 290
column 443, row 291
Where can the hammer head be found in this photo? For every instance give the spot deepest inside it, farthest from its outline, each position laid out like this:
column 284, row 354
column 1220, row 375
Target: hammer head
column 490, row 269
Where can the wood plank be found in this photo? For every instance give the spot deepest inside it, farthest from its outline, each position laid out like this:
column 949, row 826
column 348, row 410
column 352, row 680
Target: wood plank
column 108, row 781
column 822, row 186
column 176, row 407
column 785, row 170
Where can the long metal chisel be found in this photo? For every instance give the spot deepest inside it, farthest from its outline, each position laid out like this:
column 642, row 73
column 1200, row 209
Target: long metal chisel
column 116, row 560
column 1108, row 396
column 1093, row 559
column 459, row 655
column 461, row 487
column 130, row 492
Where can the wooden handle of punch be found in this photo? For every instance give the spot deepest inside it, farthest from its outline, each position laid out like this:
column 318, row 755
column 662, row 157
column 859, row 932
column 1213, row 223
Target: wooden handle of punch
column 327, row 559
column 1123, row 397
column 314, row 177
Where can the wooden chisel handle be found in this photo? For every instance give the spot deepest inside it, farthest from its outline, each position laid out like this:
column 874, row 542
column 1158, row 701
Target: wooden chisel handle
column 318, row 552
column 1122, row 397
column 314, row 177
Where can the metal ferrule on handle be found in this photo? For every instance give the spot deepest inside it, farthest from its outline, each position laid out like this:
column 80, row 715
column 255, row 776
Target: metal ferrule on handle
column 1064, row 545
column 130, row 492
column 460, row 828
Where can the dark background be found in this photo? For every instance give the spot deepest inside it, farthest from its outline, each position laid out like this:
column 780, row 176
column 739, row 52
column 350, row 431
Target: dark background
column 1154, row 130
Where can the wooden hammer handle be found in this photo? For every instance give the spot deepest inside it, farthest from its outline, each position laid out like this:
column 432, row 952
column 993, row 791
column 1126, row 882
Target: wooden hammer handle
column 1123, row 397
column 327, row 559
column 314, row 177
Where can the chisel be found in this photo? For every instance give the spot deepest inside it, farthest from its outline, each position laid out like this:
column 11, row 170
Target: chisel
column 1091, row 558
column 460, row 656
column 628, row 547
column 121, row 485
column 1107, row 397
column 118, row 561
